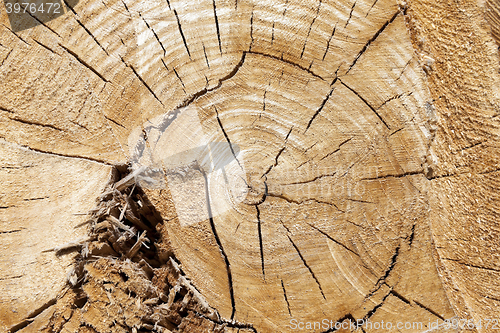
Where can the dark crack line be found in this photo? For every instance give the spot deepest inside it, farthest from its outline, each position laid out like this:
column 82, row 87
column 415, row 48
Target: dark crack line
column 230, row 324
column 6, row 110
column 350, row 15
column 320, row 107
column 471, row 265
column 8, row 54
column 156, row 36
column 305, row 263
column 333, row 239
column 182, row 33
column 251, row 32
column 373, row 5
column 32, row 316
column 205, row 53
column 405, row 66
column 286, row 298
column 226, row 136
column 85, row 28
column 311, row 180
column 219, row 244
column 68, row 156
column 225, row 78
column 371, row 40
column 360, row 201
column 114, row 122
column 85, row 64
column 381, row 280
column 378, row 306
column 272, row 35
column 469, row 147
column 40, row 22
column 142, row 81
column 336, row 150
column 164, row 64
column 329, row 41
column 309, row 32
column 259, row 228
column 402, row 175
column 177, row 74
column 11, row 277
column 18, row 37
column 217, row 25
column 289, row 200
column 168, row 120
column 400, row 297
column 35, row 199
column 10, row 232
column 44, row 46
column 277, row 155
column 429, row 310
column 396, row 131
column 264, row 101
column 288, row 62
column 412, row 236
column 367, row 104
column 395, row 97
column 348, row 316
column 28, row 122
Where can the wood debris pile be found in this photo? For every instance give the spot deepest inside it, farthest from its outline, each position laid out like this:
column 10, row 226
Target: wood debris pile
column 127, row 279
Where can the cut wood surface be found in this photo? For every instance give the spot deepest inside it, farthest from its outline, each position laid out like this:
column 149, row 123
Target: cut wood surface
column 363, row 133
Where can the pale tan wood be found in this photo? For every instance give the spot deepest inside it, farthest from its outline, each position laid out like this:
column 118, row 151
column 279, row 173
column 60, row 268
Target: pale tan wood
column 43, row 198
column 367, row 132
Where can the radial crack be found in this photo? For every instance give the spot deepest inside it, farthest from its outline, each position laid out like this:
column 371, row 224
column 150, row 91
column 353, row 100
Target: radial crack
column 32, row 315
column 429, row 310
column 401, row 175
column 182, row 33
column 85, row 64
column 320, row 108
column 350, row 15
column 18, row 37
column 156, row 36
column 329, row 41
column 84, row 27
column 310, row 28
column 366, row 102
column 277, row 155
column 259, row 227
column 288, row 62
column 226, row 136
column 388, row 271
column 28, row 122
column 336, row 150
column 142, row 81
column 373, row 5
column 305, row 263
column 333, row 239
column 286, row 298
column 8, row 54
column 42, row 45
column 217, row 25
column 219, row 244
column 371, row 40
column 114, row 122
